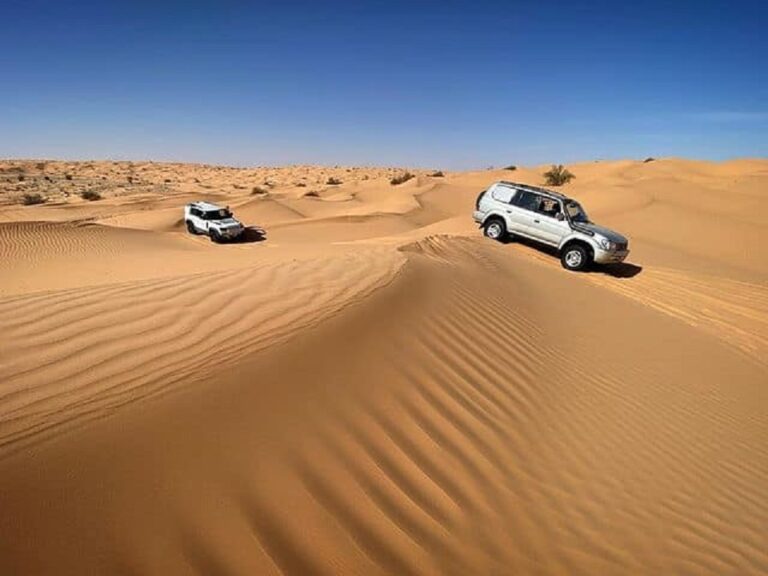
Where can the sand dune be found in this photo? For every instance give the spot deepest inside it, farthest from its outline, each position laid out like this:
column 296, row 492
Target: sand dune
column 77, row 353
column 376, row 389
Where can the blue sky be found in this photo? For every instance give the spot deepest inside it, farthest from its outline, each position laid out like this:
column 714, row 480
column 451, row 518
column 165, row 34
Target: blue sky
column 450, row 84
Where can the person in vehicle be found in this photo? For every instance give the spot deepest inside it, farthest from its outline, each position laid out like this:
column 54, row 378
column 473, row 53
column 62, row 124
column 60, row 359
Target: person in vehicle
column 549, row 208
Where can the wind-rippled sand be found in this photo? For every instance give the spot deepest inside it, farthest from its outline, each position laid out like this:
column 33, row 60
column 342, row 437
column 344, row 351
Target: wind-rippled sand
column 377, row 389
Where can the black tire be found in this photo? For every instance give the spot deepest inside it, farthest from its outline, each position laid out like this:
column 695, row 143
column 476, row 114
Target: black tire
column 575, row 258
column 191, row 228
column 495, row 229
column 215, row 236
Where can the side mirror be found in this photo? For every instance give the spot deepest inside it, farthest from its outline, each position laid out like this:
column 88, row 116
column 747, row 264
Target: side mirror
column 560, row 216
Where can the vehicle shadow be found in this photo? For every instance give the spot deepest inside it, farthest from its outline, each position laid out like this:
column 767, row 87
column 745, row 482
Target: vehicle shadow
column 619, row 270
column 250, row 235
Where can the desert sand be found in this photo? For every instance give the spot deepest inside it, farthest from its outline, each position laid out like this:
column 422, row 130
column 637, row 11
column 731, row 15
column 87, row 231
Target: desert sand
column 375, row 388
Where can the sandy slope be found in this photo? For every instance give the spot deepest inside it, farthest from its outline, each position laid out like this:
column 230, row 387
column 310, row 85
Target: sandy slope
column 375, row 389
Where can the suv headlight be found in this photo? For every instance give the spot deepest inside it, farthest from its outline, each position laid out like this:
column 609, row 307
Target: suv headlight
column 606, row 244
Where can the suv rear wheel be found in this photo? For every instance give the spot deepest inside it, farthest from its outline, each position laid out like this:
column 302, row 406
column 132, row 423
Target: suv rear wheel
column 495, row 229
column 575, row 257
column 191, row 228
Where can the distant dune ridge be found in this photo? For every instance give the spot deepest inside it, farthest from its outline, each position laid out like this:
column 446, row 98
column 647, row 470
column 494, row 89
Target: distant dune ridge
column 375, row 388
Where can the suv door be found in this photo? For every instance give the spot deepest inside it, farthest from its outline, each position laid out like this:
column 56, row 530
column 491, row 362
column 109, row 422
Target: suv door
column 196, row 216
column 498, row 198
column 546, row 227
column 522, row 213
column 504, row 198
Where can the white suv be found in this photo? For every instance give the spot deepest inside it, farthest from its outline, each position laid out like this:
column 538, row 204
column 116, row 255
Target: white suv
column 508, row 208
column 213, row 220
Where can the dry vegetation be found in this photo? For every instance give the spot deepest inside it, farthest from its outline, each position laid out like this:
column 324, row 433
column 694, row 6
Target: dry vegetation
column 32, row 182
column 558, row 175
column 401, row 178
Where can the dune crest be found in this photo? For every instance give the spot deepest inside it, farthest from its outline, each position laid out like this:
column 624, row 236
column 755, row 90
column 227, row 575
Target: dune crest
column 377, row 389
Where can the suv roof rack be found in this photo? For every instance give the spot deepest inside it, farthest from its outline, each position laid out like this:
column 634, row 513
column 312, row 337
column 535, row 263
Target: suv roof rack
column 203, row 205
column 536, row 189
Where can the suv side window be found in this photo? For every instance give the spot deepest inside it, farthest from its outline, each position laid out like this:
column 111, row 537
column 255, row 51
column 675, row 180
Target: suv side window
column 526, row 200
column 503, row 194
column 549, row 207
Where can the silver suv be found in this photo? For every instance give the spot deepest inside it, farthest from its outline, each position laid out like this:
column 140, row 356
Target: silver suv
column 508, row 208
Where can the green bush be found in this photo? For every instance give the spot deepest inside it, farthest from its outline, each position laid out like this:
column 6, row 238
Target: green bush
column 404, row 177
column 558, row 175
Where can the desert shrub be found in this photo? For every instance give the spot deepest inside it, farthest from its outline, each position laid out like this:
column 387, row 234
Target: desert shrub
column 68, row 176
column 511, row 168
column 649, row 159
column 41, row 165
column 21, row 178
column 558, row 175
column 30, row 199
column 312, row 194
column 130, row 179
column 301, row 184
column 400, row 178
column 437, row 174
column 333, row 181
column 90, row 195
column 257, row 190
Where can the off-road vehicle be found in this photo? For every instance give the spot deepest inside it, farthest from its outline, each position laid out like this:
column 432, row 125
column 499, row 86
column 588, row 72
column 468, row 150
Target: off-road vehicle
column 213, row 220
column 511, row 209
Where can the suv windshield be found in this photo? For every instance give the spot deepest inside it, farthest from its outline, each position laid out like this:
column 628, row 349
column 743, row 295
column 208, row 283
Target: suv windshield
column 576, row 213
column 217, row 214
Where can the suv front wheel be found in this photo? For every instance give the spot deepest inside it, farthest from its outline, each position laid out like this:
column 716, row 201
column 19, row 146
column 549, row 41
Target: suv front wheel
column 575, row 257
column 495, row 229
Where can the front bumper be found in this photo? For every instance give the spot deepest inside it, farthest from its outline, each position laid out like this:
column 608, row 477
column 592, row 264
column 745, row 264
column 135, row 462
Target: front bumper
column 230, row 232
column 606, row 257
